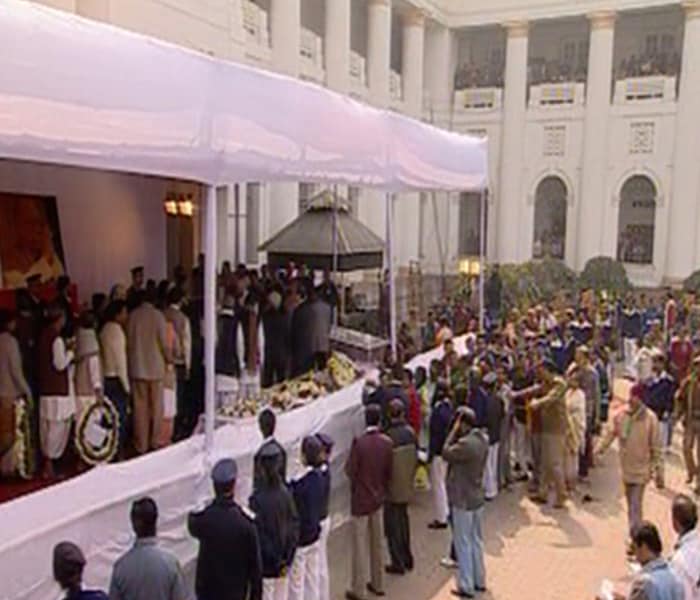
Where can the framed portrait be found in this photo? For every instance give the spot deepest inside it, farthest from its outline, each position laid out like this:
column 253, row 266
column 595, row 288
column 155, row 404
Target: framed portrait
column 30, row 239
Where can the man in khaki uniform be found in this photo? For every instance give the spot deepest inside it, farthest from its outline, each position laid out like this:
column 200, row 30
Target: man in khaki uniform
column 553, row 418
column 637, row 432
column 148, row 355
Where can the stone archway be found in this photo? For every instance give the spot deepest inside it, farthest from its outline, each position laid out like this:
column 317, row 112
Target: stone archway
column 636, row 220
column 549, row 235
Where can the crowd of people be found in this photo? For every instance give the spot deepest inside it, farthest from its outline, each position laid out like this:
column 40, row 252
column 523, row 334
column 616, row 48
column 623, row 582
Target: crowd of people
column 541, row 70
column 469, row 75
column 527, row 399
column 142, row 348
column 645, row 65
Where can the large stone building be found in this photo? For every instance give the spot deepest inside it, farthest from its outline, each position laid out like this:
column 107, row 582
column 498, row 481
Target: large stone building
column 592, row 110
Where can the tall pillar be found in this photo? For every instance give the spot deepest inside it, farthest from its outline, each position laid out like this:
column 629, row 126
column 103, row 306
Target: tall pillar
column 591, row 204
column 285, row 29
column 407, row 213
column 683, row 249
column 510, row 197
column 439, row 74
column 412, row 61
column 378, row 50
column 337, row 45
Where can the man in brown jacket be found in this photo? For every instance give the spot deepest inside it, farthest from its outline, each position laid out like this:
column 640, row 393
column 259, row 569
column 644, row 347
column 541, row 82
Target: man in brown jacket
column 397, row 527
column 637, row 432
column 369, row 470
column 148, row 355
column 553, row 418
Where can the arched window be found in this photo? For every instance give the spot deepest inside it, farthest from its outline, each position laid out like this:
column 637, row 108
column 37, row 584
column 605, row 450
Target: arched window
column 470, row 223
column 635, row 226
column 550, row 219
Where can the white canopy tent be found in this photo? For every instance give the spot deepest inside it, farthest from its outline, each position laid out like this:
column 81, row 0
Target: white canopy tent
column 81, row 93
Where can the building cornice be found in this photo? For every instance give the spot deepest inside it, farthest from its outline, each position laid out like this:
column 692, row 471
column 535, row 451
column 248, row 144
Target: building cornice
column 603, row 19
column 518, row 28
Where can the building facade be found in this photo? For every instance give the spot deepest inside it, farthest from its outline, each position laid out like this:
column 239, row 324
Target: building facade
column 592, row 110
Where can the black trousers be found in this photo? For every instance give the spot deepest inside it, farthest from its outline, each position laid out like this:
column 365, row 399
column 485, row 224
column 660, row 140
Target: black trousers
column 397, row 530
column 186, row 417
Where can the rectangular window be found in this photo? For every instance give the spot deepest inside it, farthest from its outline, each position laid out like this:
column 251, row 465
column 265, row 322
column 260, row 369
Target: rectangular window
column 306, row 193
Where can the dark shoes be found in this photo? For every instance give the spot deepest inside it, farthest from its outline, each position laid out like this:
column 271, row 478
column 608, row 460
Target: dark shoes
column 437, row 525
column 372, row 590
column 394, row 570
column 461, row 594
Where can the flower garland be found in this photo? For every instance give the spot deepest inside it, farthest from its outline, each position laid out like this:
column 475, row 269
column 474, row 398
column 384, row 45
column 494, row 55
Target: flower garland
column 24, row 455
column 101, row 414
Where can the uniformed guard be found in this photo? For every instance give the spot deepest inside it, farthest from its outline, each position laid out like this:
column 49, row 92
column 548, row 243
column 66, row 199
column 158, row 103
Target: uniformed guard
column 277, row 522
column 229, row 565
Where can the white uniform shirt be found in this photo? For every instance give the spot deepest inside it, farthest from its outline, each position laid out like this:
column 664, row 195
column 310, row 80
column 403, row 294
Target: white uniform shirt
column 685, row 563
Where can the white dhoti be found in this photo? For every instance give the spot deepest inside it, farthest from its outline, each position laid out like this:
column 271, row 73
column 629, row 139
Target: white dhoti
column 324, row 583
column 56, row 415
column 276, row 589
column 491, row 473
column 438, row 472
column 303, row 579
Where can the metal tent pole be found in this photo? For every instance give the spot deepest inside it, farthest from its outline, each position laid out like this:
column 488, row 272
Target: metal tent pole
column 335, row 249
column 390, row 262
column 209, row 317
column 482, row 256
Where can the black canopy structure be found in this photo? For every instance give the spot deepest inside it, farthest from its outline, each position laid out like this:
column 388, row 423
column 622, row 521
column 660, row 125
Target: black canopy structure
column 327, row 225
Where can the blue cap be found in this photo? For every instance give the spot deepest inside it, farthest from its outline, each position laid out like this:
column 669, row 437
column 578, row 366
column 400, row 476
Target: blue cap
column 225, row 471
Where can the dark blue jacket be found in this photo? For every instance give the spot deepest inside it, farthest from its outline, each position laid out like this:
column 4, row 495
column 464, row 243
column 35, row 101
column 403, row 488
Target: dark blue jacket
column 309, row 497
column 631, row 324
column 478, row 402
column 278, row 528
column 440, row 419
column 559, row 353
column 87, row 595
column 659, row 394
column 325, row 471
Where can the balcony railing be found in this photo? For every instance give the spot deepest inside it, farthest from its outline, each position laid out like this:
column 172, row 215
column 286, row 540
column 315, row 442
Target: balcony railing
column 479, row 98
column 395, row 86
column 358, row 75
column 255, row 24
column 659, row 88
column 311, row 53
column 557, row 94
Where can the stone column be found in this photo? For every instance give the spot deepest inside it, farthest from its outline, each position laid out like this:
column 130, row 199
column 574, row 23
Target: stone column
column 378, row 50
column 337, row 45
column 412, row 61
column 285, row 30
column 510, row 198
column 591, row 205
column 407, row 206
column 683, row 249
column 439, row 77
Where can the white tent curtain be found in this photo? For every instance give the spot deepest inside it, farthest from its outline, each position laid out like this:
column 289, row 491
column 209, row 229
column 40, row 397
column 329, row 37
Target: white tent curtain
column 78, row 92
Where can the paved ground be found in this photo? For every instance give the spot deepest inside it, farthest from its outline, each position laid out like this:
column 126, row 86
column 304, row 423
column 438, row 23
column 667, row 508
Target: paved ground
column 533, row 553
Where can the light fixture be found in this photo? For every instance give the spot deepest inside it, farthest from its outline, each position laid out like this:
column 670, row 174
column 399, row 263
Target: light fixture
column 470, row 266
column 170, row 205
column 186, row 206
column 179, row 205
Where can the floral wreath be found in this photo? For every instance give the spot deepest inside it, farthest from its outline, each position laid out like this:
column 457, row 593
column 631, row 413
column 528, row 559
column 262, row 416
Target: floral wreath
column 24, row 454
column 104, row 412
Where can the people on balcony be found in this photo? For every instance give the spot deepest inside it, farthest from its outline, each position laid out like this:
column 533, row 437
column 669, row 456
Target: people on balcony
column 649, row 65
column 469, row 76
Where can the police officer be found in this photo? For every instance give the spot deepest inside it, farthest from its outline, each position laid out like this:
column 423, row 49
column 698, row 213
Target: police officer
column 229, row 565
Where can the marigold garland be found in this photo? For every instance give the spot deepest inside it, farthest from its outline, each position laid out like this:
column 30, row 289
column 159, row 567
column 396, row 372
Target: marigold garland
column 24, row 454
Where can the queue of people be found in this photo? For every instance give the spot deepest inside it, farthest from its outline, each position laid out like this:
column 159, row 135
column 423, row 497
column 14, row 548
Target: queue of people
column 141, row 347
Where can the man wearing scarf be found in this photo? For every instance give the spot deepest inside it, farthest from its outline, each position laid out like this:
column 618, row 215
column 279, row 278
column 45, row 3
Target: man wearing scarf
column 637, row 432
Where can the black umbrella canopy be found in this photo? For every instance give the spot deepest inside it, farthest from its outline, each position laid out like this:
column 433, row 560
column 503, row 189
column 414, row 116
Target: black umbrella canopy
column 308, row 239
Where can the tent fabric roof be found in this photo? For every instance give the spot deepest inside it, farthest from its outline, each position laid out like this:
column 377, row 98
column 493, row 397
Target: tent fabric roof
column 78, row 92
column 309, row 239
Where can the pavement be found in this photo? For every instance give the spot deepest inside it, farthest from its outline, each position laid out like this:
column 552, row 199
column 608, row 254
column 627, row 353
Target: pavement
column 532, row 552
